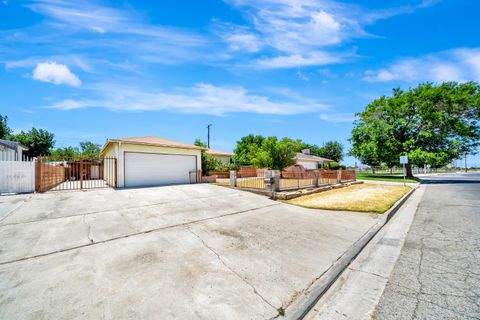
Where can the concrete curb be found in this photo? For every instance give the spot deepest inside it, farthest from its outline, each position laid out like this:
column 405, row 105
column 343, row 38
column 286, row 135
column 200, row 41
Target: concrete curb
column 307, row 300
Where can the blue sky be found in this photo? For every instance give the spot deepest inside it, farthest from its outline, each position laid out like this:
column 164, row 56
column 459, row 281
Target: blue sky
column 92, row 70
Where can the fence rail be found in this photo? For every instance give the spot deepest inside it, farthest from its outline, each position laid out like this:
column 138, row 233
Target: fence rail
column 57, row 173
column 292, row 184
column 251, row 178
column 292, row 179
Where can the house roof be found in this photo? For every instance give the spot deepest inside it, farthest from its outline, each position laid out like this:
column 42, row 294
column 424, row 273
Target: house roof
column 309, row 157
column 153, row 141
column 219, row 153
column 12, row 144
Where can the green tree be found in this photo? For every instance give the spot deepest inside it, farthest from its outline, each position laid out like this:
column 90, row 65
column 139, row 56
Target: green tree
column 209, row 163
column 331, row 150
column 89, row 149
column 431, row 124
column 38, row 141
column 199, row 143
column 4, row 128
column 247, row 149
column 274, row 154
column 65, row 152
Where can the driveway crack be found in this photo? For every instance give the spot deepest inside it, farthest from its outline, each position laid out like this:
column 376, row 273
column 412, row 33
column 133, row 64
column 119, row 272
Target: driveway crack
column 230, row 269
column 27, row 199
column 88, row 229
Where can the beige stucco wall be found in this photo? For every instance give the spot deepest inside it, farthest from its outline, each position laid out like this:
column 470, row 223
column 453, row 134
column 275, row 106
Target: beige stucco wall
column 223, row 159
column 117, row 150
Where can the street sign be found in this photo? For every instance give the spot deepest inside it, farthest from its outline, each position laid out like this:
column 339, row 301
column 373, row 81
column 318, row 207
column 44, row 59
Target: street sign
column 403, row 159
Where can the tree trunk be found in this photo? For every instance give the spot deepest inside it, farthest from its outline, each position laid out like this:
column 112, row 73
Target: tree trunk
column 373, row 170
column 409, row 170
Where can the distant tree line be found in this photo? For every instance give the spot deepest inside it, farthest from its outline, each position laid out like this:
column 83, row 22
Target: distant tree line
column 41, row 142
column 270, row 152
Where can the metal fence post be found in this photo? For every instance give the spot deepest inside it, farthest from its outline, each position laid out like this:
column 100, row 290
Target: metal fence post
column 233, row 178
column 81, row 173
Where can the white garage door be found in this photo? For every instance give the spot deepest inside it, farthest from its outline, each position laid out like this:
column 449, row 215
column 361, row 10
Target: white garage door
column 146, row 169
column 308, row 164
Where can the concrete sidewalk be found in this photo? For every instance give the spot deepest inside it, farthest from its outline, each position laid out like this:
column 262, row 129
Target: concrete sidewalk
column 195, row 251
column 358, row 290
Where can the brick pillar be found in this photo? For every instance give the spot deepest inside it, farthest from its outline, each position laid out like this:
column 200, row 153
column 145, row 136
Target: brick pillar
column 316, row 173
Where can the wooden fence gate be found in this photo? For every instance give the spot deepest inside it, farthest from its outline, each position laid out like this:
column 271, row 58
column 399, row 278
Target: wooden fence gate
column 72, row 173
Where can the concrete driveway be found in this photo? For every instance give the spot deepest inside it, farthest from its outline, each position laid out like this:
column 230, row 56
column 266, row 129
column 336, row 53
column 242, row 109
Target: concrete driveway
column 189, row 252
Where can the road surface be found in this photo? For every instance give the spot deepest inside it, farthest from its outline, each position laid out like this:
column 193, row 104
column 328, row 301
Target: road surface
column 437, row 275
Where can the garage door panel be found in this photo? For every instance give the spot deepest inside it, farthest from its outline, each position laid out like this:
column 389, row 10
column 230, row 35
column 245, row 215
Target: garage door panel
column 308, row 164
column 145, row 169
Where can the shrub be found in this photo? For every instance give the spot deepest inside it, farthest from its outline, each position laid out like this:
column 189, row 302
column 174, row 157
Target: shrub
column 333, row 165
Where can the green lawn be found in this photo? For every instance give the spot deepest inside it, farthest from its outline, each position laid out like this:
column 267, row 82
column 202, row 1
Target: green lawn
column 382, row 177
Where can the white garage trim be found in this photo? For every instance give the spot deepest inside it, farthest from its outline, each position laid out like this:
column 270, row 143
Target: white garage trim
column 161, row 168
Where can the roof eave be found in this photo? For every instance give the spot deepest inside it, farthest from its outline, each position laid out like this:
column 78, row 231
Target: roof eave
column 150, row 144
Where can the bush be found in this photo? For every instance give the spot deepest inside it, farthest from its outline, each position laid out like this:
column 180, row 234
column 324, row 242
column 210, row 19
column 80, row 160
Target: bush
column 333, row 165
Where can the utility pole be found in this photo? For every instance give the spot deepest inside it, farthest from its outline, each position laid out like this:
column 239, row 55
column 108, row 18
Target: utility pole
column 208, row 140
column 466, row 169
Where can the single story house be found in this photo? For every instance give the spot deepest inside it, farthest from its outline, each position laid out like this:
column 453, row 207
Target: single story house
column 309, row 161
column 222, row 156
column 11, row 150
column 153, row 161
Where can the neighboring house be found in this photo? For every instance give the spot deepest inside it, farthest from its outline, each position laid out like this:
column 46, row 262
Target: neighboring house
column 11, row 150
column 309, row 161
column 222, row 156
column 153, row 161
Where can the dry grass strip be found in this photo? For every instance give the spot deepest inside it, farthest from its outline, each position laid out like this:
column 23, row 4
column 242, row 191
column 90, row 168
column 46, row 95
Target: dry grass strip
column 361, row 197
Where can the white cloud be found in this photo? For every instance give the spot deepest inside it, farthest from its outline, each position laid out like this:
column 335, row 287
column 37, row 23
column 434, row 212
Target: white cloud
column 55, row 73
column 337, row 117
column 294, row 33
column 86, row 15
column 199, row 99
column 103, row 32
column 317, row 58
column 302, row 76
column 462, row 64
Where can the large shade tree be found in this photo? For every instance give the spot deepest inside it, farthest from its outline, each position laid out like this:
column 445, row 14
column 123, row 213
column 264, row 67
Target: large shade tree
column 432, row 124
column 274, row 154
column 331, row 150
column 247, row 149
column 38, row 141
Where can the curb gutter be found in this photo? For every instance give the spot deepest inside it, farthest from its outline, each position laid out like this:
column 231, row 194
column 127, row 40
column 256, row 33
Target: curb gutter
column 305, row 302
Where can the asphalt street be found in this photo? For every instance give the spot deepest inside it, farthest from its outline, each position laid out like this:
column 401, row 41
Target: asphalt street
column 437, row 275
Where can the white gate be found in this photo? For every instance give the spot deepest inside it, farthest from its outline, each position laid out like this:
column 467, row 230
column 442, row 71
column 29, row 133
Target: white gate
column 17, row 176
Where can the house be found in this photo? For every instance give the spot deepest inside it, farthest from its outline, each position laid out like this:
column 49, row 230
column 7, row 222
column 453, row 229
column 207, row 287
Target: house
column 153, row 161
column 309, row 161
column 222, row 156
column 11, row 150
